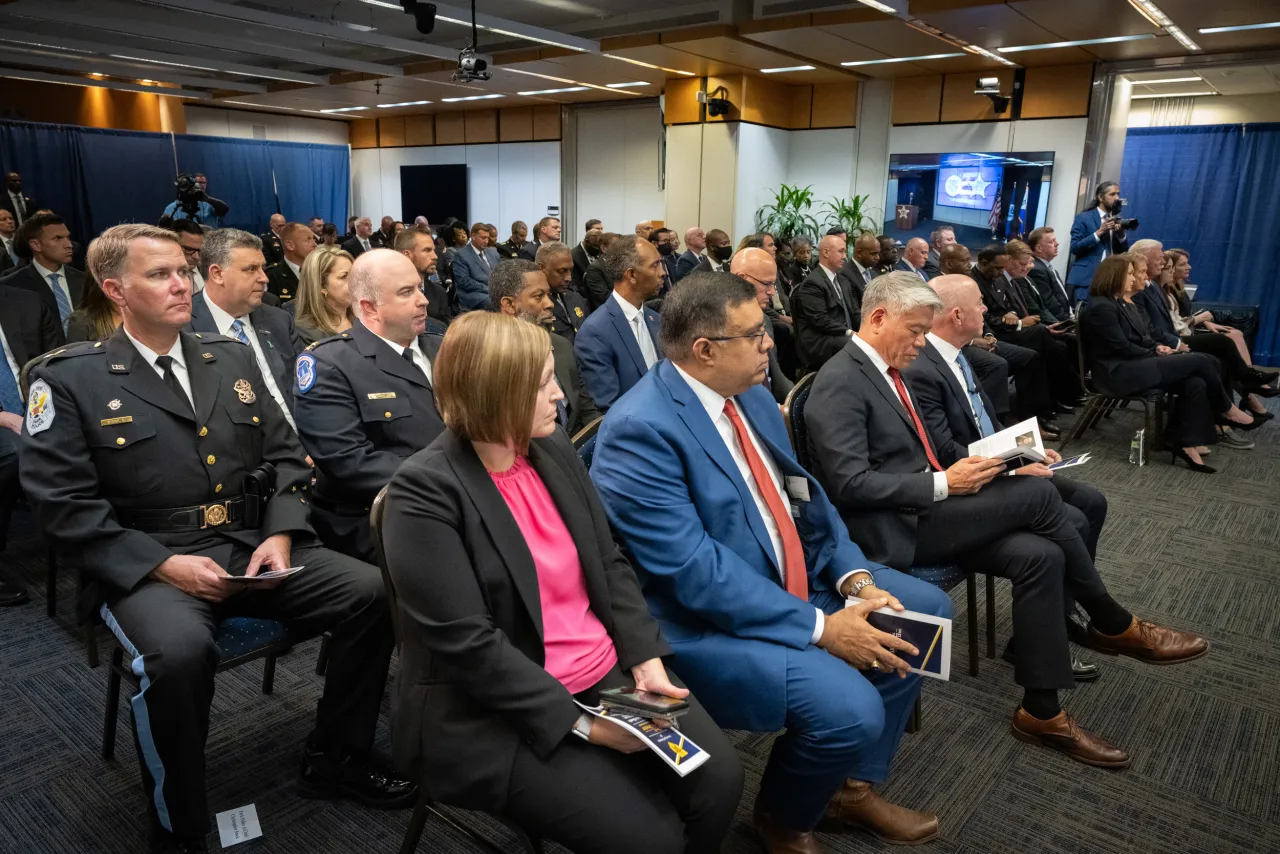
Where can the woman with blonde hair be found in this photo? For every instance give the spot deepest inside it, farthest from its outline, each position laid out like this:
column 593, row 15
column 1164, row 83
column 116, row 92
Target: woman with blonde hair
column 95, row 319
column 517, row 609
column 324, row 300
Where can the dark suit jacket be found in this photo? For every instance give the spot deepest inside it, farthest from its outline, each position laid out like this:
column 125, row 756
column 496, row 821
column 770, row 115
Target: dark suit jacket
column 999, row 301
column 6, row 204
column 943, row 406
column 1087, row 249
column 596, row 287
column 777, row 380
column 685, row 264
column 608, row 355
column 1053, row 296
column 903, row 266
column 356, row 249
column 1151, row 300
column 30, row 327
column 580, row 408
column 868, row 457
column 855, row 280
column 276, row 335
column 1118, row 348
column 472, row 656
column 569, row 311
column 581, row 263
column 27, row 278
column 821, row 324
column 439, row 305
column 931, row 265
column 282, row 282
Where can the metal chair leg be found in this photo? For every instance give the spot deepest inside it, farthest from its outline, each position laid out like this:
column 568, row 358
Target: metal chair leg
column 113, row 704
column 971, row 591
column 417, row 823
column 991, row 617
column 913, row 722
column 269, row 672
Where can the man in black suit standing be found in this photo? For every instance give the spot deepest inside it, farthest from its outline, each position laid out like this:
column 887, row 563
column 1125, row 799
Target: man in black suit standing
column 22, row 207
column 234, row 271
column 568, row 308
column 1053, row 293
column 297, row 241
column 362, row 240
column 271, row 248
column 44, row 240
column 9, row 259
column 825, row 307
column 874, row 457
column 417, row 244
column 587, row 250
column 759, row 268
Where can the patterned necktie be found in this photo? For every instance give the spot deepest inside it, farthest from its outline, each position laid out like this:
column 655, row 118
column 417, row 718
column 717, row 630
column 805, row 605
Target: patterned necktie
column 795, row 575
column 165, row 363
column 915, row 418
column 645, row 342
column 237, row 329
column 10, row 396
column 975, row 399
column 60, row 296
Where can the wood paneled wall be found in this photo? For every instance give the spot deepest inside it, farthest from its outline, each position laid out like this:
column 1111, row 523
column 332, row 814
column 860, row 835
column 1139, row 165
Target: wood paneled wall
column 1049, row 92
column 90, row 106
column 763, row 101
column 472, row 127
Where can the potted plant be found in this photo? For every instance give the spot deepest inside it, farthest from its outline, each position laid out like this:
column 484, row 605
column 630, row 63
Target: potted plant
column 788, row 215
column 851, row 214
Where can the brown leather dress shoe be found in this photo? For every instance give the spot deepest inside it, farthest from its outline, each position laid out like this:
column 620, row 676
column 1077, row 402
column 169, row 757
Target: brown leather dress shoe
column 1148, row 642
column 1062, row 734
column 779, row 839
column 857, row 805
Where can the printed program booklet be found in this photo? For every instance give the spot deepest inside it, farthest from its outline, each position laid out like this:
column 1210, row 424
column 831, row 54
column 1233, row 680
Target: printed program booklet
column 675, row 748
column 1019, row 445
column 1069, row 462
column 927, row 633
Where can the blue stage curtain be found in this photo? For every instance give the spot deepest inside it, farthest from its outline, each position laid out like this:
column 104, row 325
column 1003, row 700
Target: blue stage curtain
column 49, row 161
column 125, row 176
column 312, row 180
column 239, row 173
column 1212, row 190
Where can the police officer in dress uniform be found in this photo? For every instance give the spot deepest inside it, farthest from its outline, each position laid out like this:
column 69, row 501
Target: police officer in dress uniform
column 364, row 399
column 568, row 308
column 272, row 249
column 142, row 454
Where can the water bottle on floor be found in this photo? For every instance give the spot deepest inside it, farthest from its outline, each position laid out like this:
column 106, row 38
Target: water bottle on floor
column 1137, row 448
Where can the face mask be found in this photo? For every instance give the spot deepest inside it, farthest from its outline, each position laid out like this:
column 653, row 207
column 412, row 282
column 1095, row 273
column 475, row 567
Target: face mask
column 722, row 253
column 665, row 249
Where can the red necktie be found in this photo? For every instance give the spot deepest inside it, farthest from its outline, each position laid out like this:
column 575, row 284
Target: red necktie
column 915, row 418
column 793, row 569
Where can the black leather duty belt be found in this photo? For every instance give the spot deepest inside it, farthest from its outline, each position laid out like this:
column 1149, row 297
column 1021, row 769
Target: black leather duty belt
column 182, row 519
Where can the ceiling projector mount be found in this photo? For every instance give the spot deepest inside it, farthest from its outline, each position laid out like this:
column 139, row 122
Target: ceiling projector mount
column 472, row 67
column 990, row 86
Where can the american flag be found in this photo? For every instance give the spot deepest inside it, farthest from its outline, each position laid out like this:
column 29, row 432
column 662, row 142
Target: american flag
column 994, row 219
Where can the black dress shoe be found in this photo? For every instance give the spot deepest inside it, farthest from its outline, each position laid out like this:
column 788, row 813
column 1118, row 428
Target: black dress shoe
column 12, row 594
column 348, row 778
column 1052, row 433
column 1081, row 671
column 1065, row 408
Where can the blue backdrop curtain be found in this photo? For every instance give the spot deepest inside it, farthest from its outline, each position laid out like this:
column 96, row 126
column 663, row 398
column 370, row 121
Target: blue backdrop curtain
column 1213, row 191
column 95, row 178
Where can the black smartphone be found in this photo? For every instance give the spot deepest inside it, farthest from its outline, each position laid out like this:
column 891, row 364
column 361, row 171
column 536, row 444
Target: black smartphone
column 643, row 702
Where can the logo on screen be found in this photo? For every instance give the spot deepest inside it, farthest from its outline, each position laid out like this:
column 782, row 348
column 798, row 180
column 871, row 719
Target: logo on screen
column 968, row 185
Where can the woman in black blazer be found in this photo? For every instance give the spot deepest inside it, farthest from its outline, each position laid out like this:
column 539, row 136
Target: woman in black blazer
column 1125, row 360
column 513, row 602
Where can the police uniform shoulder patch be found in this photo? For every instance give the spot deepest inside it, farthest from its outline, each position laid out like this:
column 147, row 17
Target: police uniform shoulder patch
column 39, row 408
column 305, row 370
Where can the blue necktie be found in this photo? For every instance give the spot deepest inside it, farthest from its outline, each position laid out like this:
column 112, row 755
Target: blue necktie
column 975, row 399
column 237, row 327
column 64, row 302
column 10, row 397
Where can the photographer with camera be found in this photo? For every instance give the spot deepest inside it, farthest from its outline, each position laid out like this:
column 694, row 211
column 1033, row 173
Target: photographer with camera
column 194, row 203
column 1097, row 233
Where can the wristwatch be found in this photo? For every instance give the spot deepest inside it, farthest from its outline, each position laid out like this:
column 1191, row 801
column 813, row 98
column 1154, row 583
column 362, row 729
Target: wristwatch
column 582, row 726
column 856, row 588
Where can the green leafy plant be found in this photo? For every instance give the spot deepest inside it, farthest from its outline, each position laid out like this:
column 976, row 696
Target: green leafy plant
column 788, row 215
column 852, row 214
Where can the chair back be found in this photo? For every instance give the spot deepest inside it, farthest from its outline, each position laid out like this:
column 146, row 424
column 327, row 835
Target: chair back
column 376, row 512
column 585, row 441
column 793, row 415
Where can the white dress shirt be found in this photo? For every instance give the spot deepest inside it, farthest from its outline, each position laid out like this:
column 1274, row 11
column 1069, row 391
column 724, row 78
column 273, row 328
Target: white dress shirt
column 940, row 488
column 713, row 402
column 1103, row 213
column 297, row 271
column 419, row 358
column 639, row 329
column 179, row 363
column 61, row 273
column 223, row 321
column 480, row 255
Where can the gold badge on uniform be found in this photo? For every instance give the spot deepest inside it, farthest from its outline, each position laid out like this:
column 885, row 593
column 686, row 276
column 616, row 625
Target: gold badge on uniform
column 578, row 311
column 114, row 405
column 245, row 391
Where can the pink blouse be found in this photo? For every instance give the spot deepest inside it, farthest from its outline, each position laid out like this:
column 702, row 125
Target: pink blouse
column 579, row 651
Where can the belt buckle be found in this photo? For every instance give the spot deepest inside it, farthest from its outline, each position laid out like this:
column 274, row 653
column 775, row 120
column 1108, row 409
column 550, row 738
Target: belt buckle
column 213, row 514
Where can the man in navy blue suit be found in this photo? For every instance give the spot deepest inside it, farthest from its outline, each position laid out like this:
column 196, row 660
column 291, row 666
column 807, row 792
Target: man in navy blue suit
column 618, row 343
column 1095, row 234
column 914, row 257
column 747, row 566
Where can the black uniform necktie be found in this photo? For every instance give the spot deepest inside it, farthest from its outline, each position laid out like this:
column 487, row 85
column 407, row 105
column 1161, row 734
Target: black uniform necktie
column 171, row 380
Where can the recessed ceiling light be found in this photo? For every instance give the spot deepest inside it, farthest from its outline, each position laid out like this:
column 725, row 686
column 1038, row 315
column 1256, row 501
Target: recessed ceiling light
column 982, row 51
column 902, row 59
column 1050, row 45
column 97, row 75
column 555, row 91
column 1174, row 95
column 344, row 110
column 1157, row 17
column 403, row 104
column 448, row 20
column 888, row 10
column 649, row 65
column 146, row 82
column 784, row 70
column 1166, row 80
column 469, row 98
column 1240, row 28
column 625, row 85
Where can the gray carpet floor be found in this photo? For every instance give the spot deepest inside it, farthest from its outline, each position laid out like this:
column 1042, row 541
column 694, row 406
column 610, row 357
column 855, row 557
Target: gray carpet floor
column 1195, row 551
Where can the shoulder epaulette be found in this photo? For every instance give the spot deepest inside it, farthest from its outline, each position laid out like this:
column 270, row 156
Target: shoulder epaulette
column 82, row 348
column 215, row 338
column 341, row 336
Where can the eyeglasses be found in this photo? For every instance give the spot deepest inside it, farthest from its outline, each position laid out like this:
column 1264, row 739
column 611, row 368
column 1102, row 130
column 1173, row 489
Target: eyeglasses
column 768, row 286
column 758, row 336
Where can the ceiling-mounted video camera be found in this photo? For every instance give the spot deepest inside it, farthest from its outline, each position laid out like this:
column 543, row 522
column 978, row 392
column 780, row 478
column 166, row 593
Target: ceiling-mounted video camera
column 424, row 15
column 471, row 67
column 715, row 106
column 990, row 86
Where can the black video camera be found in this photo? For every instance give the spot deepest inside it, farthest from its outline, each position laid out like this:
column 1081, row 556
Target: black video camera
column 189, row 195
column 1126, row 224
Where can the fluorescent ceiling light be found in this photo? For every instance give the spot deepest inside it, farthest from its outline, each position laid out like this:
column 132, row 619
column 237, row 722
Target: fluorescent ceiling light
column 1166, row 80
column 265, row 74
column 888, row 10
column 556, row 79
column 1108, row 40
column 1240, row 28
column 469, row 98
column 403, row 104
column 68, row 80
column 1174, row 95
column 649, row 65
column 344, row 110
column 1156, row 16
column 625, row 85
column 41, row 44
column 555, row 91
column 784, row 70
column 448, row 20
column 982, row 51
column 902, row 59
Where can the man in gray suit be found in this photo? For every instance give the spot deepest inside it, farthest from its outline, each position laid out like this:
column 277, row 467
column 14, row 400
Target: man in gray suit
column 471, row 268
